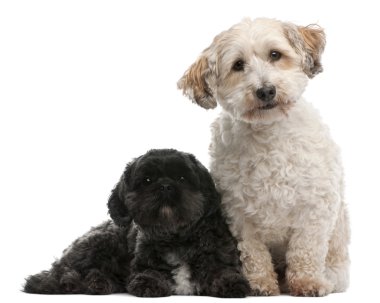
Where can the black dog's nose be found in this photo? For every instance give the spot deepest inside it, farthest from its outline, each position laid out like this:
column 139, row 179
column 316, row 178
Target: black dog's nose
column 266, row 93
column 166, row 187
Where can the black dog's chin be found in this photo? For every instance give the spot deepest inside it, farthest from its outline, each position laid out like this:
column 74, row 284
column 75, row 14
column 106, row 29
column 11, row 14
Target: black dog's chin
column 166, row 214
column 164, row 218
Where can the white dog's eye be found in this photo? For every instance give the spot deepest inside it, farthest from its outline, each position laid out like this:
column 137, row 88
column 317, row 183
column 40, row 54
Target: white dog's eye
column 275, row 55
column 238, row 66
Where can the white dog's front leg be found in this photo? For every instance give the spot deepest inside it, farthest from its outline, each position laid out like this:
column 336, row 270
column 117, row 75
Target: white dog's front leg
column 258, row 267
column 305, row 259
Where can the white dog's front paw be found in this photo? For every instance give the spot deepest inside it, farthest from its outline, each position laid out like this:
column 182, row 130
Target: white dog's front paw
column 267, row 286
column 304, row 286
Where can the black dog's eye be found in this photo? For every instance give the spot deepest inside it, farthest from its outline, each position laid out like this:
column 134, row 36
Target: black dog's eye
column 275, row 55
column 147, row 180
column 238, row 66
column 181, row 180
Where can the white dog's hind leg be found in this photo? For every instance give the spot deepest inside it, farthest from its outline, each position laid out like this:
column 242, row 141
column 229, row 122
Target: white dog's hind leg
column 337, row 261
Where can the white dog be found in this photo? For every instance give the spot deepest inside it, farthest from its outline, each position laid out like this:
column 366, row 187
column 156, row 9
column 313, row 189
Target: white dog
column 272, row 158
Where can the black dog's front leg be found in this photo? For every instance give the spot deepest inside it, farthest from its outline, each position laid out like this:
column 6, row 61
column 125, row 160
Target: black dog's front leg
column 229, row 283
column 224, row 282
column 149, row 278
column 217, row 269
column 149, row 283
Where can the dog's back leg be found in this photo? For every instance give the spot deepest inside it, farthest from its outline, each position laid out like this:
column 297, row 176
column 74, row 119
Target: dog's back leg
column 337, row 260
column 42, row 283
column 96, row 263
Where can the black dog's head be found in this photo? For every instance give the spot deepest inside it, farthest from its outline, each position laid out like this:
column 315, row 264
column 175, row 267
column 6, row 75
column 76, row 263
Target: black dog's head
column 163, row 190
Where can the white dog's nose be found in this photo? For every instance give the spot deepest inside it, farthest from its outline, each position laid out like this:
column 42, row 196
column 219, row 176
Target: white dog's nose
column 266, row 93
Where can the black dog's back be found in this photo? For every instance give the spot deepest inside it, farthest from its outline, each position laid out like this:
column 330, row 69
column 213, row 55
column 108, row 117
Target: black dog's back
column 96, row 263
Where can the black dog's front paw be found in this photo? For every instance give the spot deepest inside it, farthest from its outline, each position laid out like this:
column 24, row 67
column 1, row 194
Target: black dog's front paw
column 71, row 283
column 231, row 285
column 145, row 285
column 97, row 284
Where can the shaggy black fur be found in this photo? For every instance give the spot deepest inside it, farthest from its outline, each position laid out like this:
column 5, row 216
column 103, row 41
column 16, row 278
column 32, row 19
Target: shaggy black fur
column 167, row 236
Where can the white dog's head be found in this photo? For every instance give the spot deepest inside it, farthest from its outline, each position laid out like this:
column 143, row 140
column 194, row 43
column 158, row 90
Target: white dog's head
column 255, row 70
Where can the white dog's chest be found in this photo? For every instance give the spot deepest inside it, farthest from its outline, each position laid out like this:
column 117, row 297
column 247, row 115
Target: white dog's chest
column 268, row 179
column 276, row 174
column 271, row 192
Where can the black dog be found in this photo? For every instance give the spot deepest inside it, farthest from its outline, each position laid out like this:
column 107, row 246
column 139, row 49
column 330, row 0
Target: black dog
column 168, row 236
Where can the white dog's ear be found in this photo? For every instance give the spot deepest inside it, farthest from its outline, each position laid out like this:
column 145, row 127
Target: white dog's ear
column 198, row 81
column 309, row 42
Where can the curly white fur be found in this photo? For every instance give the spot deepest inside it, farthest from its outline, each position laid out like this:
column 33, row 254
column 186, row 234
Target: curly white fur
column 278, row 170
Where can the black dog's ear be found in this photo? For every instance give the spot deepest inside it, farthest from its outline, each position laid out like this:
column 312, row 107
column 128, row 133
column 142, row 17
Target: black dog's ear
column 116, row 202
column 208, row 188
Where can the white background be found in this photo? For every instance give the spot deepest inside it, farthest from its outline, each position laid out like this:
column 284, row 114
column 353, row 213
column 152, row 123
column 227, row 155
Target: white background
column 85, row 86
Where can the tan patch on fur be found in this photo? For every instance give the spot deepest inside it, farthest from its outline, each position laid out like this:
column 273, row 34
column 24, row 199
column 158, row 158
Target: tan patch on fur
column 314, row 41
column 285, row 105
column 308, row 287
column 195, row 76
column 258, row 269
column 255, row 113
column 314, row 38
column 194, row 84
column 233, row 79
column 286, row 62
column 308, row 41
column 166, row 212
column 264, row 286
